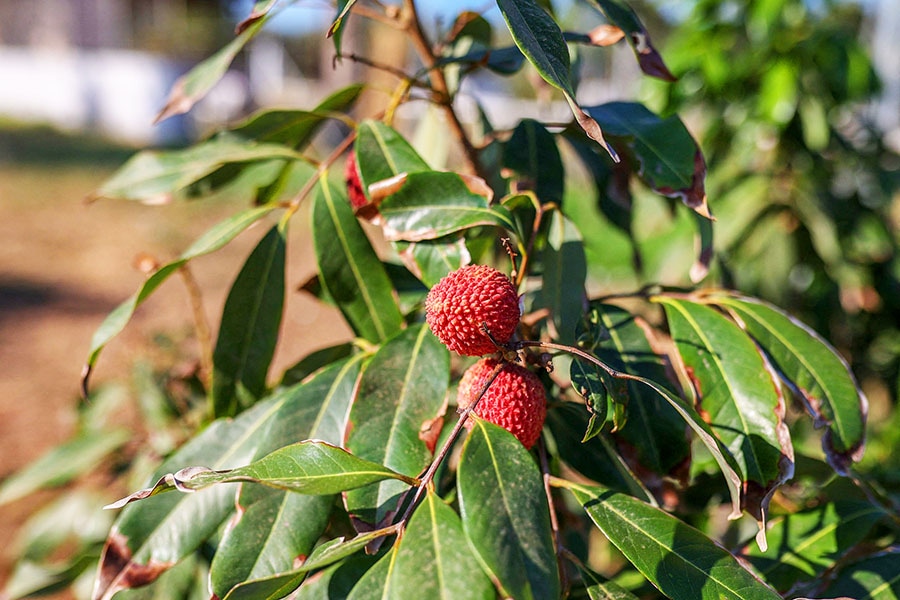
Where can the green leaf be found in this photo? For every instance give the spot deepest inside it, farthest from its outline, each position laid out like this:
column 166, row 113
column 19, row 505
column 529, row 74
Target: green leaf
column 433, row 560
column 505, row 513
column 432, row 260
column 804, row 544
column 192, row 86
column 621, row 15
column 565, row 270
column 274, row 527
column 435, row 204
column 815, row 372
column 337, row 26
column 374, row 582
column 295, row 128
column 152, row 535
column 397, row 414
column 350, row 269
column 336, row 581
column 307, row 467
column 532, row 155
column 155, row 176
column 735, row 388
column 541, row 41
column 668, row 159
column 278, row 586
column 876, row 577
column 653, row 429
column 248, row 330
column 314, row 361
column 62, row 463
column 676, row 558
column 600, row 589
column 212, row 240
column 382, row 153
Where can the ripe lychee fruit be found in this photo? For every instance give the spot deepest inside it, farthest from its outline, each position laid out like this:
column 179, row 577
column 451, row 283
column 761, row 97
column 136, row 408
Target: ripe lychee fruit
column 463, row 303
column 354, row 186
column 515, row 400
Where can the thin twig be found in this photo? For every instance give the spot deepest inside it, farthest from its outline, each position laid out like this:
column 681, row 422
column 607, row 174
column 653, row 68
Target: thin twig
column 201, row 324
column 308, row 187
column 554, row 522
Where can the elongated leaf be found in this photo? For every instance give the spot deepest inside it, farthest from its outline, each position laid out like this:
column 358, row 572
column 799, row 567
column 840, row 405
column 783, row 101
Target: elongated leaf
column 194, row 84
column 336, row 581
column 248, row 330
column 63, row 463
column 541, row 41
column 307, row 467
column 600, row 589
column 649, row 59
column 565, row 270
column 209, row 242
column 432, row 261
column 505, row 513
column 736, row 390
column 676, row 558
column 155, row 176
column 433, row 560
column 395, row 418
column 374, row 583
column 803, row 545
column 876, row 577
column 669, row 160
column 295, row 128
column 350, row 269
column 532, row 155
column 152, row 535
column 435, row 204
column 279, row 586
column 653, row 429
column 274, row 527
column 814, row 371
column 382, row 153
column 337, row 26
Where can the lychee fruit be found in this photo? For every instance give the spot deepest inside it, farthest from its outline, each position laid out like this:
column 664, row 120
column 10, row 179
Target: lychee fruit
column 354, row 185
column 515, row 400
column 461, row 305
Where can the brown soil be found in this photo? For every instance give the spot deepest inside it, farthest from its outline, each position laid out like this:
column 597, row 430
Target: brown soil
column 64, row 265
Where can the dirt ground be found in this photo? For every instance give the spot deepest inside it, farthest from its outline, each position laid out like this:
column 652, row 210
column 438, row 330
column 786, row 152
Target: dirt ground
column 64, row 265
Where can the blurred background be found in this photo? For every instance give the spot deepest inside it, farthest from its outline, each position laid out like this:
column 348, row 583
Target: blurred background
column 795, row 103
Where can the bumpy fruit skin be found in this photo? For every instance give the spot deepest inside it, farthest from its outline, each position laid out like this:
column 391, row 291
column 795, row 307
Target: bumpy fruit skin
column 515, row 400
column 458, row 305
column 354, row 186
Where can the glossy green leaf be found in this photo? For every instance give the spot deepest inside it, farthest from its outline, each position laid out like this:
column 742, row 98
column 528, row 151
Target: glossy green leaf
column 564, row 272
column 505, row 513
column 682, row 562
column 248, row 330
column 274, row 527
column 599, row 588
column 433, row 560
column 397, row 414
column 152, row 535
column 212, row 240
column 350, row 269
column 431, row 261
column 541, row 41
column 735, row 388
column 193, row 85
column 335, row 581
column 314, row 361
column 374, row 582
column 803, row 545
column 668, row 159
column 434, row 204
column 307, row 467
column 531, row 154
column 155, row 176
column 813, row 370
column 654, row 429
column 295, row 128
column 507, row 60
column 875, row 577
column 622, row 16
column 382, row 153
column 62, row 463
column 279, row 586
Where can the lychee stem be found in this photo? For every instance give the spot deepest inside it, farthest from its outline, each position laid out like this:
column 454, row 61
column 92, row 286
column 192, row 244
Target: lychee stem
column 426, row 478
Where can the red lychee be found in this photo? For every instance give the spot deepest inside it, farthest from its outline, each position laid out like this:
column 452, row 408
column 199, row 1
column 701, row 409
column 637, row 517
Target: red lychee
column 515, row 400
column 354, row 186
column 463, row 303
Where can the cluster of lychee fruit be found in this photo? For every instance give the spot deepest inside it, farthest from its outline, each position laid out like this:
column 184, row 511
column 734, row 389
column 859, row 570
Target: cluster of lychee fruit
column 474, row 311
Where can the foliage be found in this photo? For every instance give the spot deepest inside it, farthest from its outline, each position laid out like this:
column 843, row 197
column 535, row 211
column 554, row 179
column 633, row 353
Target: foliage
column 699, row 442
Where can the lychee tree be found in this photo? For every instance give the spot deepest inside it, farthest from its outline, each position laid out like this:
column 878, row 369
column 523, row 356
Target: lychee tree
column 511, row 419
